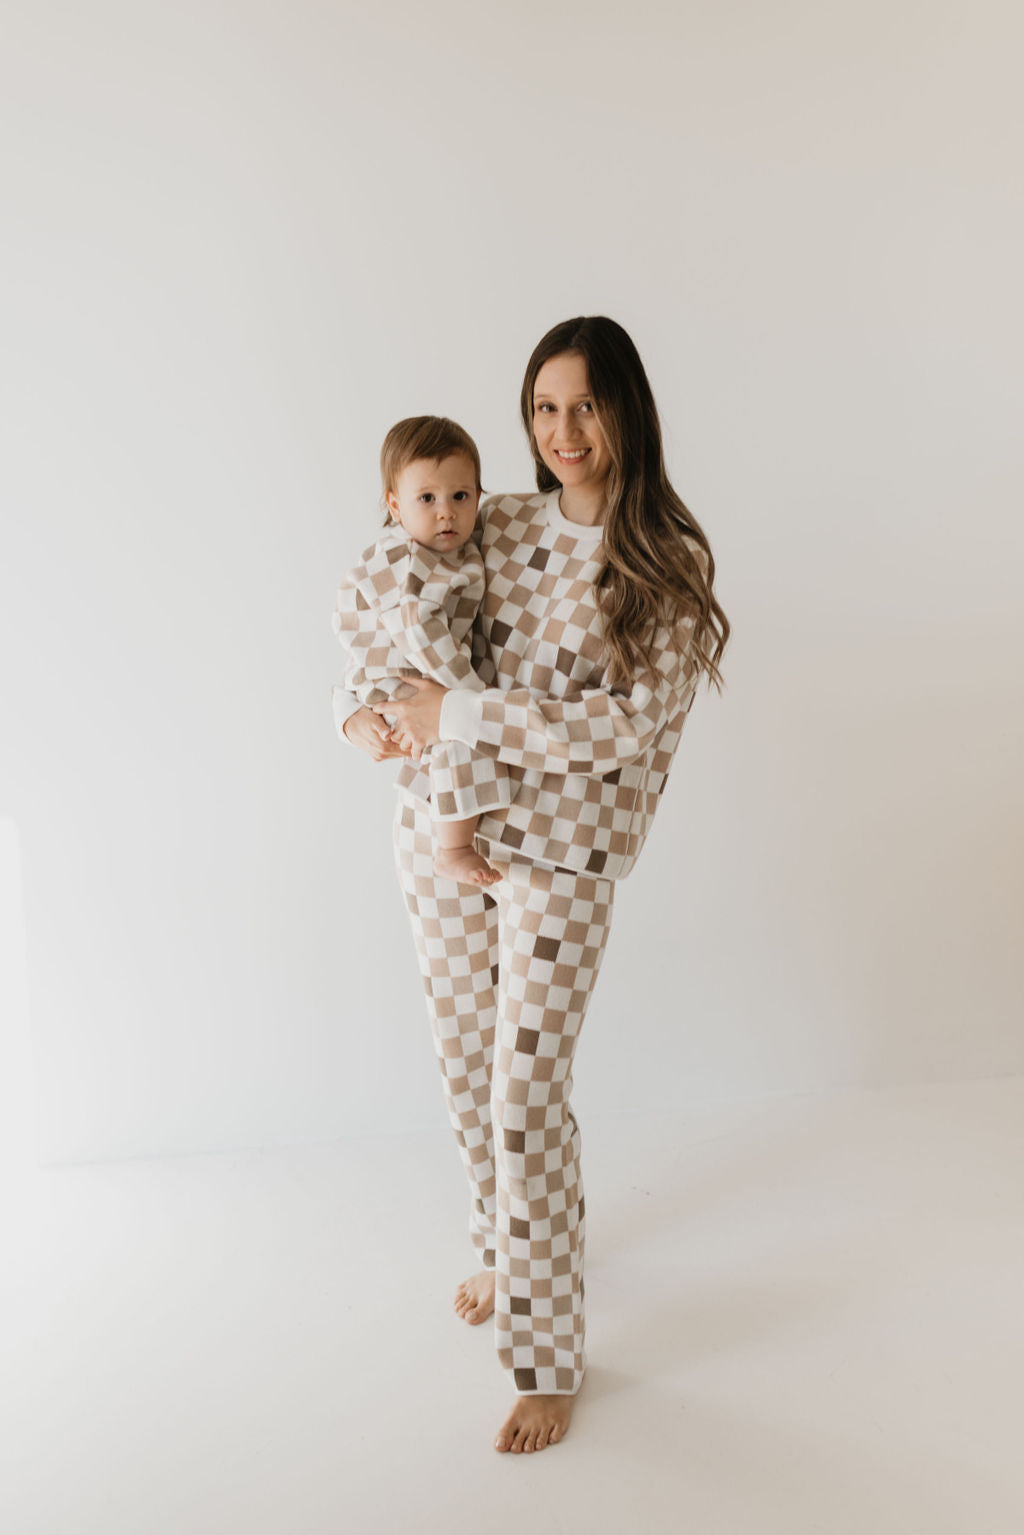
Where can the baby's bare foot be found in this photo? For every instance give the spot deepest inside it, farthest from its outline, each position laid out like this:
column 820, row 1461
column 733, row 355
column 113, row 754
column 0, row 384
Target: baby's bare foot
column 474, row 1299
column 464, row 864
column 534, row 1422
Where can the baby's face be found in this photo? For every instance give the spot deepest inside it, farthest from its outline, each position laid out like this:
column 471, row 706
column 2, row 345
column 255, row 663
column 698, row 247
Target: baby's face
column 436, row 501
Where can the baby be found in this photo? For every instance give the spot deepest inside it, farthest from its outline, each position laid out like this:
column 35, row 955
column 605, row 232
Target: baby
column 407, row 609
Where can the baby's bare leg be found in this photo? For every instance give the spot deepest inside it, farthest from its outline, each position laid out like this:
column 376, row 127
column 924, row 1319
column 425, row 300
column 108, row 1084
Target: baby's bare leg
column 455, row 857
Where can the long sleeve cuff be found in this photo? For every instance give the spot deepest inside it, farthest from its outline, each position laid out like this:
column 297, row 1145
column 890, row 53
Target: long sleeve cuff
column 344, row 706
column 461, row 715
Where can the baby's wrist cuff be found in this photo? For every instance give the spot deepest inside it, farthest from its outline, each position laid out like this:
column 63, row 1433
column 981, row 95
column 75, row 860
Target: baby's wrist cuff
column 344, row 706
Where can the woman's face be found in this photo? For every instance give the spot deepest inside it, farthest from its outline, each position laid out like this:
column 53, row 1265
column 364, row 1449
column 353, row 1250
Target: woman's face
column 565, row 427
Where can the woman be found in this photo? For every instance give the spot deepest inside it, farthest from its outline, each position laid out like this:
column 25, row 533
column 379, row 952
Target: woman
column 598, row 621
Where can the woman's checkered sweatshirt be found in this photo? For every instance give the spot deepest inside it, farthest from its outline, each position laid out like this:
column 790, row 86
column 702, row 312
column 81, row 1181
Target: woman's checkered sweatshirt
column 587, row 764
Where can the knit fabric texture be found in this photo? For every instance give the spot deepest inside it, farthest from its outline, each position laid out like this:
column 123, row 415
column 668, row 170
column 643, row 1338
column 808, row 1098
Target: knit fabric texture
column 587, row 762
column 408, row 610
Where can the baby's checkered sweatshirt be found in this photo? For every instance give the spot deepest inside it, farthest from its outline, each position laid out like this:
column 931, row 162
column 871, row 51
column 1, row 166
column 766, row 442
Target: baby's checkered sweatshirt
column 587, row 763
column 407, row 610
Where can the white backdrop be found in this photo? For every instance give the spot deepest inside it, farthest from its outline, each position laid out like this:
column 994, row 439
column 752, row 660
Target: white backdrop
column 240, row 242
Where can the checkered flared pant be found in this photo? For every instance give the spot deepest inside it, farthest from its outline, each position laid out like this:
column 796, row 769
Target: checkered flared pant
column 509, row 971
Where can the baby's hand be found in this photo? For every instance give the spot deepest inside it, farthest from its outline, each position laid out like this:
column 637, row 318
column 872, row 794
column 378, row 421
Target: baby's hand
column 371, row 734
column 417, row 718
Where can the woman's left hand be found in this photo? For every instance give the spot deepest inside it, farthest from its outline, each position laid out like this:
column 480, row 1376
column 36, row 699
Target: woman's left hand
column 417, row 719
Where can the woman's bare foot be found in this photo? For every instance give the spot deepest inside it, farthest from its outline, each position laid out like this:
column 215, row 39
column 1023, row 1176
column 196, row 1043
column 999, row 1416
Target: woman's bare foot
column 534, row 1422
column 474, row 1299
column 464, row 864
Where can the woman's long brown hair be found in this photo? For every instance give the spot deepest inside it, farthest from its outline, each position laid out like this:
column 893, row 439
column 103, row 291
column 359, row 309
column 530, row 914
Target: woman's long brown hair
column 650, row 575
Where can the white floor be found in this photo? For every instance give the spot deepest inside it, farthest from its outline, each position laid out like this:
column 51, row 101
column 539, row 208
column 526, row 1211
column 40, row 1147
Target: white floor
column 803, row 1315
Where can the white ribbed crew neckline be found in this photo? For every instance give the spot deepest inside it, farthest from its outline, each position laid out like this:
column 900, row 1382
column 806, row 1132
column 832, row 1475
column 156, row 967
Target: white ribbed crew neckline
column 558, row 519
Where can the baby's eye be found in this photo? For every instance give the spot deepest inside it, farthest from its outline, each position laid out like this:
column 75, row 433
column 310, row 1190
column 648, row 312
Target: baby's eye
column 461, row 495
column 427, row 496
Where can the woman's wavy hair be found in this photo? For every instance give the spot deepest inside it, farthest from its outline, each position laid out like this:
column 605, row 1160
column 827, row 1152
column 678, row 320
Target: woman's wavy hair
column 650, row 575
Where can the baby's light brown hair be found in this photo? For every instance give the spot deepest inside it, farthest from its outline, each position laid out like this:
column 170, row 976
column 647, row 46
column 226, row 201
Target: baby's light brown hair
column 433, row 437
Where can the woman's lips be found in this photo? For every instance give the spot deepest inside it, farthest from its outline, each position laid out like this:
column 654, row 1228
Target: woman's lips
column 574, row 457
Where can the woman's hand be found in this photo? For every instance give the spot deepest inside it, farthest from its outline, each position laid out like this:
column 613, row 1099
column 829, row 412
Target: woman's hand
column 372, row 735
column 417, row 719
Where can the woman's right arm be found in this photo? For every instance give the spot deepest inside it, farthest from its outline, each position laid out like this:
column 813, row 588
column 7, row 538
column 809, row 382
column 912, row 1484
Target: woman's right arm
column 593, row 731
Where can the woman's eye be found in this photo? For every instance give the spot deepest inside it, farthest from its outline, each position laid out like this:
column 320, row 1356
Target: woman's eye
column 586, row 405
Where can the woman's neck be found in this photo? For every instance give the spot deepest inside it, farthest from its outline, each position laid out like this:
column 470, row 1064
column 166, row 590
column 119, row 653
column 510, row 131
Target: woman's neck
column 583, row 504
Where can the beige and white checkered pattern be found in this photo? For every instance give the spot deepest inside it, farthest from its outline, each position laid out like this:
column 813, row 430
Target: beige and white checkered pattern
column 587, row 764
column 508, row 974
column 408, row 610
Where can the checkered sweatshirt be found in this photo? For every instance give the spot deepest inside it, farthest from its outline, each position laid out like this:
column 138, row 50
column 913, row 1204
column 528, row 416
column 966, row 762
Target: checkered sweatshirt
column 588, row 763
column 407, row 610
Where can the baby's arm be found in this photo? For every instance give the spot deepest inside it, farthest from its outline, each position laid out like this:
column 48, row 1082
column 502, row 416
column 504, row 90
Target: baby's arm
column 345, row 701
column 344, row 705
column 463, row 783
column 432, row 602
column 374, row 671
column 420, row 627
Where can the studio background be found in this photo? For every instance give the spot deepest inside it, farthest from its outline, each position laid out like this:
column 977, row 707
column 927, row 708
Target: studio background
column 242, row 241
